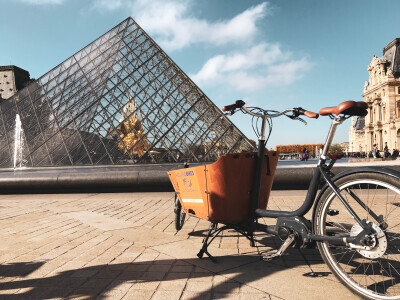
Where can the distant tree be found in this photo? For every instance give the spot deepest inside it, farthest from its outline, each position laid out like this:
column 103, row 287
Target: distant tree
column 298, row 148
column 336, row 148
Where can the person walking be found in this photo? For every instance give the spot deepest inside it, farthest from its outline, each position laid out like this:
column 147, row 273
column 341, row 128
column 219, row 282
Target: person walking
column 386, row 151
column 304, row 154
column 374, row 150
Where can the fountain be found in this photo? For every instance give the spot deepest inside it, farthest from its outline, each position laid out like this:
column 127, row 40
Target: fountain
column 18, row 143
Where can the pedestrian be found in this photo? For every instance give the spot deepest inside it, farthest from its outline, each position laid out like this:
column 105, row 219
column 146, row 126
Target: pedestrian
column 395, row 154
column 374, row 150
column 386, row 148
column 304, row 154
column 386, row 152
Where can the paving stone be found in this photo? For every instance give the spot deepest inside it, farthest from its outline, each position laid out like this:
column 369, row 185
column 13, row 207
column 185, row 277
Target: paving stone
column 121, row 285
column 145, row 285
column 72, row 282
column 160, row 268
column 84, row 273
column 199, row 286
column 196, row 295
column 139, row 294
column 174, row 285
column 100, row 283
column 171, row 295
column 113, row 294
column 107, row 274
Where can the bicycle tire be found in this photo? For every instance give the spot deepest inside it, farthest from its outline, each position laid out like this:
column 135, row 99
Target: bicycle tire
column 180, row 214
column 374, row 273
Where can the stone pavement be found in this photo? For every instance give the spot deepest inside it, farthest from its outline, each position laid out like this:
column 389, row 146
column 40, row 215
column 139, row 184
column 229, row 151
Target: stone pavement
column 124, row 245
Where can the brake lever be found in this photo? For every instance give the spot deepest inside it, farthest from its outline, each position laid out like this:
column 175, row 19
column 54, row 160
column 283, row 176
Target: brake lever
column 230, row 113
column 301, row 120
column 295, row 116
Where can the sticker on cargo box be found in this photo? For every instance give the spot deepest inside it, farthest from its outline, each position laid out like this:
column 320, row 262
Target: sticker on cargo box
column 189, row 186
column 192, row 200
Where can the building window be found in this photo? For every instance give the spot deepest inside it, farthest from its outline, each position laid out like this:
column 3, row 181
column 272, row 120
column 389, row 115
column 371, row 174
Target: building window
column 380, row 112
column 371, row 117
column 384, row 113
column 398, row 109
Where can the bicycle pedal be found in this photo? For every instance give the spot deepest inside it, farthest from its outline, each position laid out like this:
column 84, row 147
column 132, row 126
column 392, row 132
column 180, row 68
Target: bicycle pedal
column 332, row 212
column 281, row 250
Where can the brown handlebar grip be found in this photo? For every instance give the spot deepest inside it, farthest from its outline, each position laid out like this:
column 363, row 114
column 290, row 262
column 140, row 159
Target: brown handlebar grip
column 311, row 114
column 229, row 107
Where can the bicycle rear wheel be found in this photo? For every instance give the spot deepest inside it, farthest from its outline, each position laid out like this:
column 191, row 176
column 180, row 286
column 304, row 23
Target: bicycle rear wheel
column 373, row 273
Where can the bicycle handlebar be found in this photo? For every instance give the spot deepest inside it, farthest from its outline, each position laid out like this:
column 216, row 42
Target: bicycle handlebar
column 306, row 113
column 296, row 111
column 311, row 114
column 229, row 107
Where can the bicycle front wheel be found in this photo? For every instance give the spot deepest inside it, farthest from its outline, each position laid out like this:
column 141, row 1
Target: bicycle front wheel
column 373, row 273
column 180, row 214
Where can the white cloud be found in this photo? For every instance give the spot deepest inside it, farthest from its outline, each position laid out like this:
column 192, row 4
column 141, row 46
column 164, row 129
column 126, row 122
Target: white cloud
column 261, row 66
column 42, row 2
column 175, row 26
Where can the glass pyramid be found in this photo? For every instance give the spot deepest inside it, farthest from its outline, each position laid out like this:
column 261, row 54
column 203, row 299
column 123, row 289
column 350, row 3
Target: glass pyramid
column 120, row 100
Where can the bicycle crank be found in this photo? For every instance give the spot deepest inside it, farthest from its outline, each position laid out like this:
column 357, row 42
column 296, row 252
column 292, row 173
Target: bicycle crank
column 290, row 239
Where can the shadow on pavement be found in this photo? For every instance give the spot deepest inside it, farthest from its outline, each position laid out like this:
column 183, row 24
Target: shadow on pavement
column 96, row 281
column 19, row 269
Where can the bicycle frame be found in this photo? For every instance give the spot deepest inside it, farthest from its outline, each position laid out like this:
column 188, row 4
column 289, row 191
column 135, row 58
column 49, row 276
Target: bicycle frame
column 323, row 171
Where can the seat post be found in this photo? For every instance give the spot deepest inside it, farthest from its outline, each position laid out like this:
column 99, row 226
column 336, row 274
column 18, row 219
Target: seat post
column 336, row 121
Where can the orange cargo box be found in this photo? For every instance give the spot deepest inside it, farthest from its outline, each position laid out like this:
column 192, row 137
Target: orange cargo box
column 221, row 192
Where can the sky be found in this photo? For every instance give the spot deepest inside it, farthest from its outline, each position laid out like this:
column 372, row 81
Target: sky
column 271, row 54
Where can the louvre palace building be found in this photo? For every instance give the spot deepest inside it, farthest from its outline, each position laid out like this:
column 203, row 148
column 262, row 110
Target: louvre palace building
column 382, row 93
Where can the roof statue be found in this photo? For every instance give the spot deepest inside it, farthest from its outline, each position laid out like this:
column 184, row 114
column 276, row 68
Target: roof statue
column 119, row 100
column 133, row 138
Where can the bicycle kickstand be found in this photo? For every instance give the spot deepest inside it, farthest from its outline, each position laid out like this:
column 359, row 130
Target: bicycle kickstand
column 285, row 245
column 205, row 243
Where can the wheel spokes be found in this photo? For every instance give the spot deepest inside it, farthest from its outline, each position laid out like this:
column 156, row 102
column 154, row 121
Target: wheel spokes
column 381, row 275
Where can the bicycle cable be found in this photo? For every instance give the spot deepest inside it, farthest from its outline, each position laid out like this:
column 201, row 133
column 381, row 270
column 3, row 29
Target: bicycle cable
column 255, row 121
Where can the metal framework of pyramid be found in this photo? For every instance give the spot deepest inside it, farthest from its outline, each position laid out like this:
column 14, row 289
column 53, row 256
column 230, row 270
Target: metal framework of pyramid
column 120, row 100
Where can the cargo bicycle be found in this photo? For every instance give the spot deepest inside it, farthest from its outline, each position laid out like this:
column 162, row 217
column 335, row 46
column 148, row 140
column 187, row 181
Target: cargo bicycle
column 355, row 215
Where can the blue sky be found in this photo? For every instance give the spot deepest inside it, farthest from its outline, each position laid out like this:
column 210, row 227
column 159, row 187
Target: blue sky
column 275, row 54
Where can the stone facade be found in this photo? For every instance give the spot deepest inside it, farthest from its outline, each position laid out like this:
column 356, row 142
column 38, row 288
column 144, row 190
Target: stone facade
column 12, row 79
column 382, row 93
